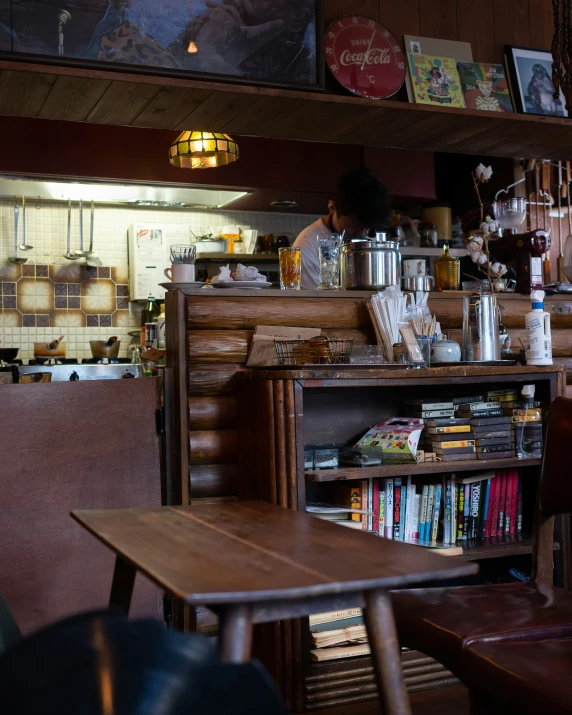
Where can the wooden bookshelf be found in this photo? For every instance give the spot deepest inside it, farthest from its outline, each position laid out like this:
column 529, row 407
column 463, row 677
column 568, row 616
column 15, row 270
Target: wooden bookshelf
column 397, row 470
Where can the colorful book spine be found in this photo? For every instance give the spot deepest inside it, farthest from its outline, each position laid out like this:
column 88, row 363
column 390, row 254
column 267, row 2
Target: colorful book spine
column 416, row 509
column 436, row 513
column 423, row 511
column 396, row 506
column 365, row 500
column 491, row 528
column 402, row 511
column 474, row 514
column 502, row 503
column 513, row 503
column 467, row 512
column 460, row 510
column 381, row 522
column 389, row 496
column 447, row 514
column 485, row 513
column 519, row 506
column 370, row 505
column 430, row 510
column 375, row 497
column 454, row 515
column 408, row 530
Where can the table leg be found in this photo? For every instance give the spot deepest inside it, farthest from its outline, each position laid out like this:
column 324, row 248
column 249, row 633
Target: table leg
column 122, row 585
column 235, row 634
column 385, row 653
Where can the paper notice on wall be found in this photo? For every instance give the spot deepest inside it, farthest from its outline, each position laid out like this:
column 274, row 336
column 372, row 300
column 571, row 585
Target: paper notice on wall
column 150, row 245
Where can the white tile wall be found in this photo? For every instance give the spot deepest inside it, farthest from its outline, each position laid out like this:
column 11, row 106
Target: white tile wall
column 46, row 231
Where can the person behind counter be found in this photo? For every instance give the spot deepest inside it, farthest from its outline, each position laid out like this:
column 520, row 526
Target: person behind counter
column 360, row 202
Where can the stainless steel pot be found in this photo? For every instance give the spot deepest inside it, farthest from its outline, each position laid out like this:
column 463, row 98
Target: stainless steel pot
column 370, row 264
column 415, row 283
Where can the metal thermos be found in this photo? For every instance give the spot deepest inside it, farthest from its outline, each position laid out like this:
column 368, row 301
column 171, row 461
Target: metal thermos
column 481, row 336
column 370, row 263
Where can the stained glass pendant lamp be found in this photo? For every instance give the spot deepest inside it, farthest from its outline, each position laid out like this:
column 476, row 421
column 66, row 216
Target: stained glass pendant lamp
column 202, row 150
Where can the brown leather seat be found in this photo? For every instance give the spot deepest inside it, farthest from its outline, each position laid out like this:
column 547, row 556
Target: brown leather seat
column 520, row 676
column 441, row 622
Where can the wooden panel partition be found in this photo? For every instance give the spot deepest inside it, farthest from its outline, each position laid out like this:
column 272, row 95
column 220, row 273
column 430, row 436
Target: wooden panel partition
column 209, row 334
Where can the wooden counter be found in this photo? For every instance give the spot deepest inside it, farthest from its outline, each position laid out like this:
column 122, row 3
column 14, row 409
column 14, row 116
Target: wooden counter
column 208, row 337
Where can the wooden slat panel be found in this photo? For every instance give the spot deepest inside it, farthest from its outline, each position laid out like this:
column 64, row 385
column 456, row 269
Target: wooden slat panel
column 438, row 18
column 245, row 313
column 208, row 413
column 213, row 447
column 73, row 98
column 170, row 107
column 297, row 122
column 216, row 111
column 475, row 23
column 343, row 121
column 218, row 346
column 561, row 340
column 213, row 480
column 122, row 102
column 540, row 23
column 331, row 11
column 511, row 25
column 402, row 17
column 23, row 94
column 261, row 114
column 369, row 8
column 208, row 380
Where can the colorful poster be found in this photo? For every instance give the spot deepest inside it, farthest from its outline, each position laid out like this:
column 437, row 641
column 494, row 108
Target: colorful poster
column 436, row 81
column 485, row 87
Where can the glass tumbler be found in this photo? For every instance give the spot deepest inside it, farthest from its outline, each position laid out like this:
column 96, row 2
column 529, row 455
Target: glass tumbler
column 290, row 268
column 329, row 248
column 424, row 342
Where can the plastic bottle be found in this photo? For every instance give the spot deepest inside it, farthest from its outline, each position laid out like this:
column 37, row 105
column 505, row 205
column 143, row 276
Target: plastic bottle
column 529, row 434
column 538, row 336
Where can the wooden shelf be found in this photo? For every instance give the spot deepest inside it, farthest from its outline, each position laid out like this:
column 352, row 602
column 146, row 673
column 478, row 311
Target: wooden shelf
column 397, row 470
column 496, row 547
column 136, row 99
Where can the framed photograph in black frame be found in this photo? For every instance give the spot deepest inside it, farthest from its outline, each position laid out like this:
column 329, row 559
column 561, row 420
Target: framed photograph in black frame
column 530, row 73
column 277, row 43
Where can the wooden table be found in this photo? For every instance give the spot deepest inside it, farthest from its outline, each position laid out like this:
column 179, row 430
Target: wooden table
column 252, row 562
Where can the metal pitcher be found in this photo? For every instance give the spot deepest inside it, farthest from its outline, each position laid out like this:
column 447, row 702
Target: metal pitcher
column 481, row 336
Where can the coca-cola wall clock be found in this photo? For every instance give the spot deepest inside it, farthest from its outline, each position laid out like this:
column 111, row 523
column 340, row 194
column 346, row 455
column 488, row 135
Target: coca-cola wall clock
column 365, row 57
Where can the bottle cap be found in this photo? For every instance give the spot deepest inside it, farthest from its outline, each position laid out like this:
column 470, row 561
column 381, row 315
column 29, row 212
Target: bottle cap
column 537, row 296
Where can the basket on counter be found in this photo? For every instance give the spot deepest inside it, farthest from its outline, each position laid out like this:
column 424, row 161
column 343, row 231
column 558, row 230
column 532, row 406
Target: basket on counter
column 316, row 351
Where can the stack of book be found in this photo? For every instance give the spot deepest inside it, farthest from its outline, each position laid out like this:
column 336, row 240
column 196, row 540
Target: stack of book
column 451, row 439
column 491, row 429
column 338, row 634
column 489, row 505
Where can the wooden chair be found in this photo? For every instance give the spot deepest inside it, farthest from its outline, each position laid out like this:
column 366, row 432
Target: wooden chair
column 525, row 676
column 441, row 622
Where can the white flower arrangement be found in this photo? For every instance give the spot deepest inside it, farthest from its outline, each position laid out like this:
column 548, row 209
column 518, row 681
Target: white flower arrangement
column 478, row 243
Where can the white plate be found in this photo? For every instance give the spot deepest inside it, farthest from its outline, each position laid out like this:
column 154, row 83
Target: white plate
column 180, row 286
column 241, row 284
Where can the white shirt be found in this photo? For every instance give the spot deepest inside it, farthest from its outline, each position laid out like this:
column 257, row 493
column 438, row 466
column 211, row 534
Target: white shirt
column 308, row 244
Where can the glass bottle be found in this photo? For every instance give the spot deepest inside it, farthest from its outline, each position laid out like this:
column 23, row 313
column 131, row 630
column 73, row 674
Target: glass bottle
column 151, row 311
column 447, row 271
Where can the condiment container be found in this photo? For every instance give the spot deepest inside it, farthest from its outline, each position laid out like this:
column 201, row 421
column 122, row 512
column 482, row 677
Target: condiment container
column 417, row 283
column 447, row 271
column 445, row 350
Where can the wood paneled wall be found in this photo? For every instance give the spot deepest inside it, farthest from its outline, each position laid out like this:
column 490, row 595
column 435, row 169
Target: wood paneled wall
column 487, row 24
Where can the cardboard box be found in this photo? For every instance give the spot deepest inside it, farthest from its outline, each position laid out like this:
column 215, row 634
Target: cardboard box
column 398, row 439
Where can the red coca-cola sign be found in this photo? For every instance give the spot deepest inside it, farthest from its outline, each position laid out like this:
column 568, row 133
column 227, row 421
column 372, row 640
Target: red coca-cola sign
column 365, row 57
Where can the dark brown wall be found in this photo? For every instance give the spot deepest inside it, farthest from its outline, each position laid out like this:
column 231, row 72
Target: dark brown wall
column 487, row 24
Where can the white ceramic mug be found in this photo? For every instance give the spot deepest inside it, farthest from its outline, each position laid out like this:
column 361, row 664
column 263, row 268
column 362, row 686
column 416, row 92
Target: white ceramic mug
column 414, row 267
column 181, row 273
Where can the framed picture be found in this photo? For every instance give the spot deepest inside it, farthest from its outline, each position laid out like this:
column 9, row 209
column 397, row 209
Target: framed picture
column 269, row 42
column 530, row 73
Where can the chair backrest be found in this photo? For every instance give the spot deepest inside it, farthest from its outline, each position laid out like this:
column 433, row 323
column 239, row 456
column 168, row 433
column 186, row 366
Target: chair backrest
column 554, row 495
column 555, row 488
column 9, row 631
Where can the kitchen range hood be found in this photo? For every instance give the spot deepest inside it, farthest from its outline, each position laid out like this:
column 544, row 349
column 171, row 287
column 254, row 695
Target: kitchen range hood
column 121, row 194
